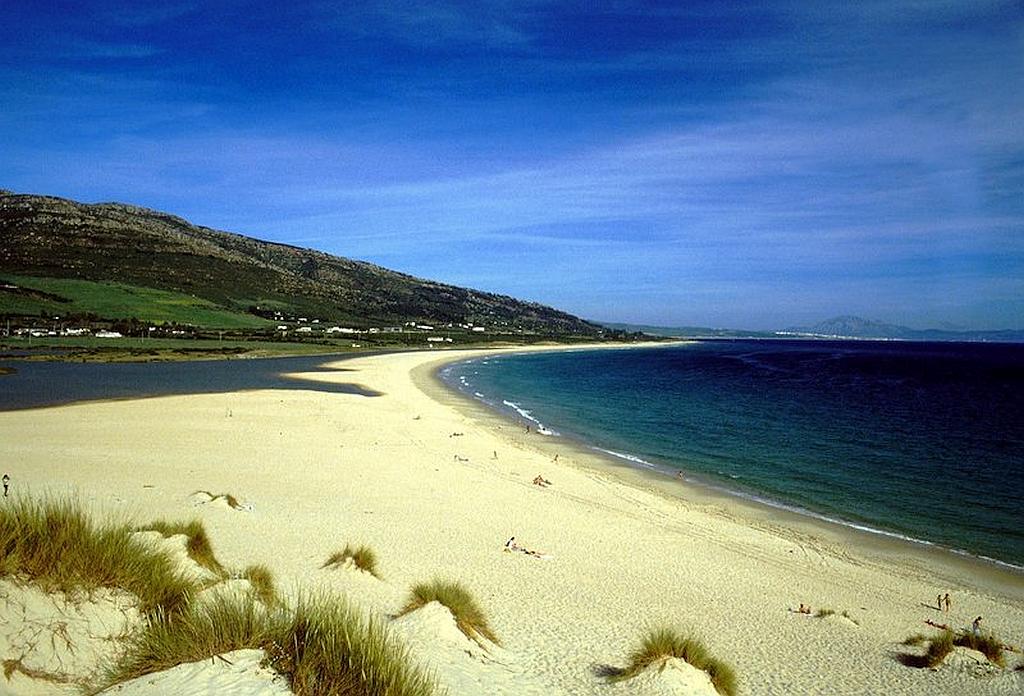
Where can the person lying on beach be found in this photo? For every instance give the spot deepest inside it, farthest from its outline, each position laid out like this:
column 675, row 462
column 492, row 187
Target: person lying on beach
column 541, row 481
column 804, row 609
column 511, row 546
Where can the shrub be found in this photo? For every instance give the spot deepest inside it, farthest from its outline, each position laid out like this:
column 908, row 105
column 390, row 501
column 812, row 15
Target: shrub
column 469, row 617
column 58, row 546
column 362, row 557
column 663, row 643
column 198, row 544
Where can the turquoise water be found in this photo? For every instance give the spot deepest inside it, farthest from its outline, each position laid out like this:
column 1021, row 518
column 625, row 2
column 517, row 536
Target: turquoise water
column 920, row 440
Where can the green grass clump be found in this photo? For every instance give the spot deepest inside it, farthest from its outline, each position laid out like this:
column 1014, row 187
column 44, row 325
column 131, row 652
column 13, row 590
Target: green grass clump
column 938, row 649
column 916, row 639
column 662, row 643
column 199, row 548
column 469, row 617
column 985, row 643
column 214, row 626
column 323, row 647
column 363, row 557
column 331, row 650
column 58, row 546
column 262, row 581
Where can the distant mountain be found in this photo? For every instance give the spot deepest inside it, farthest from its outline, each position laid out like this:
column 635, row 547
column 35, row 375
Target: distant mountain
column 858, row 327
column 688, row 331
column 124, row 248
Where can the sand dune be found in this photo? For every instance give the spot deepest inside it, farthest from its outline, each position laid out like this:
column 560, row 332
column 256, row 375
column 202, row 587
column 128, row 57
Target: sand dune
column 317, row 471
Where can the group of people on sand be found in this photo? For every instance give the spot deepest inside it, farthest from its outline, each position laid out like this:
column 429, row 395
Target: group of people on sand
column 944, row 602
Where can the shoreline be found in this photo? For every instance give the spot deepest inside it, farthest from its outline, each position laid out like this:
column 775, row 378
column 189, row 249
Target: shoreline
column 435, row 484
column 1001, row 576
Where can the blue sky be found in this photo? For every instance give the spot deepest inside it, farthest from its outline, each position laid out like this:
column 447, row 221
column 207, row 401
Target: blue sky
column 738, row 164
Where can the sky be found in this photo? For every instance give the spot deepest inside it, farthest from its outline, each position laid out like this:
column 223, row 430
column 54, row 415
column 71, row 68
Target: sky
column 731, row 164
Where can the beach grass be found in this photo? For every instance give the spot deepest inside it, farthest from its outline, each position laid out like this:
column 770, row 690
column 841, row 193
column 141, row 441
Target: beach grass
column 985, row 643
column 262, row 582
column 333, row 650
column 916, row 639
column 469, row 617
column 363, row 557
column 56, row 545
column 940, row 646
column 198, row 545
column 214, row 626
column 231, row 500
column 322, row 647
column 662, row 643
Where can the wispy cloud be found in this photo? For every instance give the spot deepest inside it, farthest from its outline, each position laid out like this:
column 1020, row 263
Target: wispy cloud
column 714, row 159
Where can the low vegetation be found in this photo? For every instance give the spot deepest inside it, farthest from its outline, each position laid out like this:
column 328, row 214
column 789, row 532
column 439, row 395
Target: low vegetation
column 939, row 648
column 56, row 545
column 985, row 643
column 469, row 617
column 663, row 643
column 231, row 500
column 329, row 649
column 322, row 647
column 262, row 582
column 942, row 645
column 198, row 545
column 916, row 639
column 362, row 557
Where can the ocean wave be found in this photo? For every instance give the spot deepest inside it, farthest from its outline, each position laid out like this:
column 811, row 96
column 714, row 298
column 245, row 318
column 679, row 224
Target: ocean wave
column 528, row 415
column 632, row 458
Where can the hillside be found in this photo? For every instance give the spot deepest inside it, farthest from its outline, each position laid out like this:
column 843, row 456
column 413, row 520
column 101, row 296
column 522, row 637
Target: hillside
column 129, row 252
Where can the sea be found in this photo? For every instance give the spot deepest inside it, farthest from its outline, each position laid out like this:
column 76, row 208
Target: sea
column 922, row 441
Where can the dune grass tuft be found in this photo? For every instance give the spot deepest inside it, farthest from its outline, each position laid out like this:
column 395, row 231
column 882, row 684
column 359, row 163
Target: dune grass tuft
column 231, row 500
column 333, row 650
column 916, row 639
column 58, row 546
column 940, row 646
column 985, row 643
column 199, row 548
column 262, row 581
column 322, row 647
column 662, row 643
column 363, row 557
column 214, row 626
column 469, row 617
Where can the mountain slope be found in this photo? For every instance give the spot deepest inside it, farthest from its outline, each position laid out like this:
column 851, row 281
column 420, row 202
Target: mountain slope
column 42, row 236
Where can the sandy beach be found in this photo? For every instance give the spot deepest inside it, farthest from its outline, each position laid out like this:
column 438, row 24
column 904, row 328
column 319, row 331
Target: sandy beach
column 436, row 484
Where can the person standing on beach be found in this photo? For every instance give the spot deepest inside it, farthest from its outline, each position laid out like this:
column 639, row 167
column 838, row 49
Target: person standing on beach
column 976, row 626
column 947, row 601
column 7, row 482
